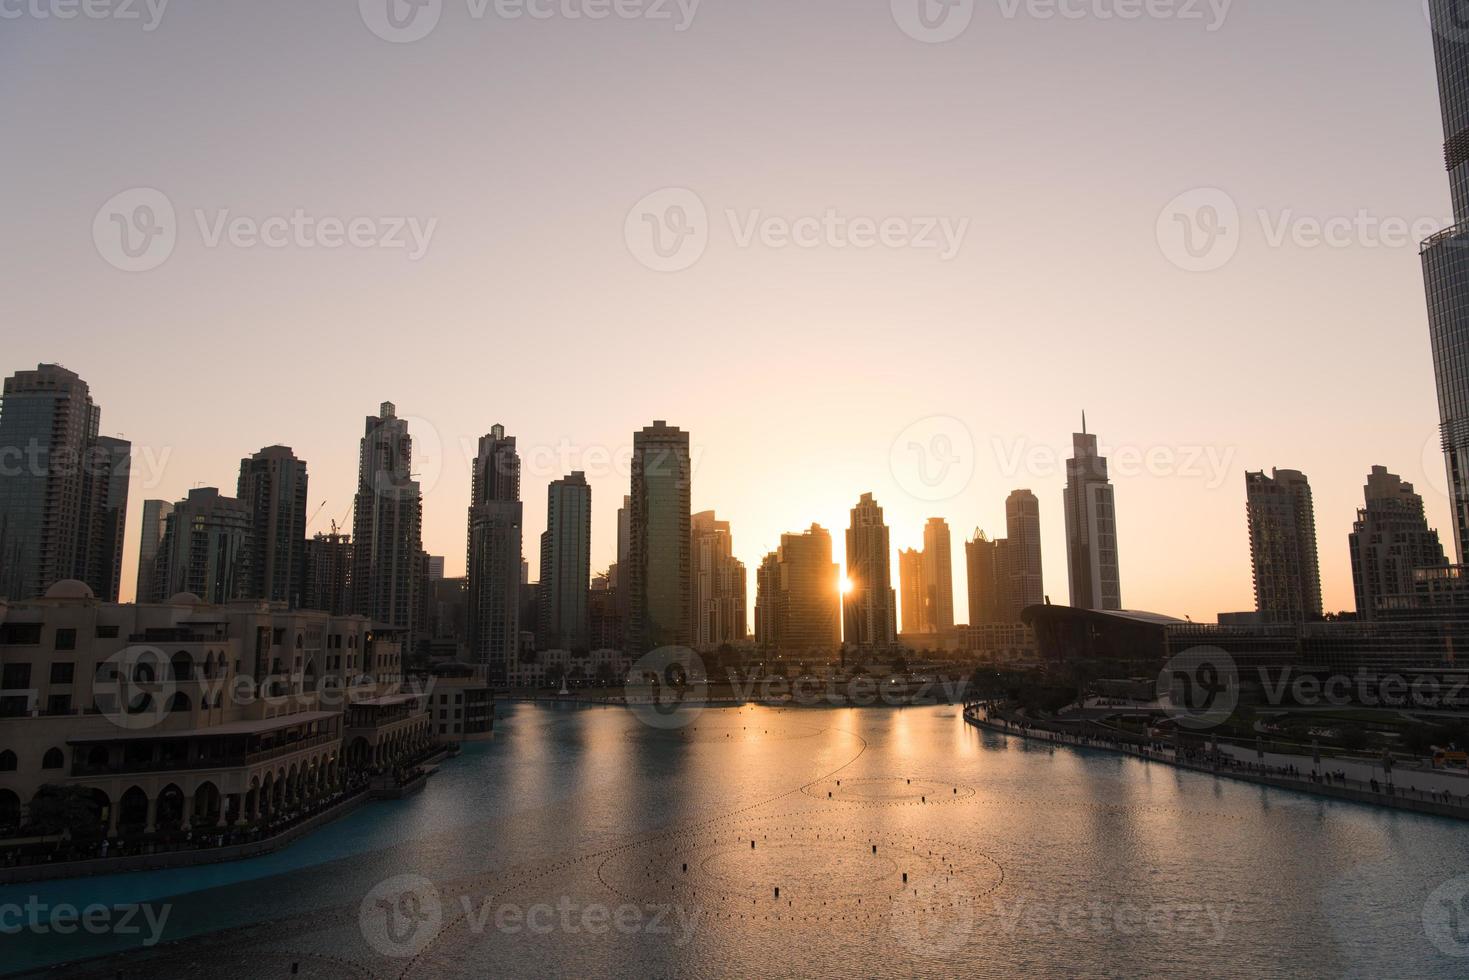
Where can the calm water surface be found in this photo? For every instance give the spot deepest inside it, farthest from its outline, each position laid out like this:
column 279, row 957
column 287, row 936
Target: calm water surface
column 582, row 841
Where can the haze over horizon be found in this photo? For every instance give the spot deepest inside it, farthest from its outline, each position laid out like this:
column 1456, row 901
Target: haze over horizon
column 804, row 372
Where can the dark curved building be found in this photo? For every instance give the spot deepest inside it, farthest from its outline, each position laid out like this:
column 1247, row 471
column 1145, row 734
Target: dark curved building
column 1446, row 261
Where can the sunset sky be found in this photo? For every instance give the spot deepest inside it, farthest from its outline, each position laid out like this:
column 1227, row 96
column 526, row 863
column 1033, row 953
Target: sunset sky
column 806, row 362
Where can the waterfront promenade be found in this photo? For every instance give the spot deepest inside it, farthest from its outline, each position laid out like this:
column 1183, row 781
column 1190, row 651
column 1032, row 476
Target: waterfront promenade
column 1298, row 773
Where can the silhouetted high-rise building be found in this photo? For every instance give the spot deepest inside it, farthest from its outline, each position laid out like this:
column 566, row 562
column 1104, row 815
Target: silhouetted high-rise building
column 273, row 485
column 1019, row 555
column 206, row 548
column 982, row 564
column 63, row 500
column 1091, row 527
column 566, row 565
column 1389, row 539
column 659, row 572
column 1445, row 259
column 938, row 573
column 106, row 496
column 1282, row 523
column 387, row 518
column 868, row 608
column 718, row 586
column 916, row 605
column 798, row 595
column 150, row 542
column 328, row 573
column 495, row 557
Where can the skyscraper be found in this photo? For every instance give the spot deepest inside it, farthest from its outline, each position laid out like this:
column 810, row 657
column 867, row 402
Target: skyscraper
column 494, row 556
column 1091, row 527
column 718, row 587
column 566, row 565
column 206, row 548
column 272, row 484
column 659, row 574
column 1445, row 259
column 64, row 494
column 938, row 573
column 106, row 497
column 1283, row 546
column 982, row 564
column 798, row 596
column 387, row 520
column 1018, row 556
column 1389, row 539
column 869, row 605
column 328, row 573
column 150, row 542
column 916, row 605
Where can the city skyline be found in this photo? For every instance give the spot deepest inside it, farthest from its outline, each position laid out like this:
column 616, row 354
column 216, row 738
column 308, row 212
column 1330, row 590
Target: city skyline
column 960, row 584
column 1125, row 339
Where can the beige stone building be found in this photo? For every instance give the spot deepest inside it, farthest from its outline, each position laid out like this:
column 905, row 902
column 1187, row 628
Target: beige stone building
column 183, row 715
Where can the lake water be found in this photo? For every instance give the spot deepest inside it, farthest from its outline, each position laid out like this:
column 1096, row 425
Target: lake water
column 585, row 841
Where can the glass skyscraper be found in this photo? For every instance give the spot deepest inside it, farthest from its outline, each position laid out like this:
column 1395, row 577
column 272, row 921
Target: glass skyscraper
column 63, row 489
column 1446, row 261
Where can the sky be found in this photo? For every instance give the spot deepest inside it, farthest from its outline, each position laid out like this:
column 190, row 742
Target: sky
column 849, row 246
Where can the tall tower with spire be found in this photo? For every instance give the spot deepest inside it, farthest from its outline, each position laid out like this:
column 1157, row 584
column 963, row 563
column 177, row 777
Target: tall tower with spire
column 1091, row 527
column 1445, row 260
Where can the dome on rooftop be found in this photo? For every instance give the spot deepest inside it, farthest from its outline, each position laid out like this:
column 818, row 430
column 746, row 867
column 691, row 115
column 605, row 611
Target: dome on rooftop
column 70, row 588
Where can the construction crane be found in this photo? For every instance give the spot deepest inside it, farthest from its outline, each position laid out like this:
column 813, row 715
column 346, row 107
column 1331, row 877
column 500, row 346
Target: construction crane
column 312, row 519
